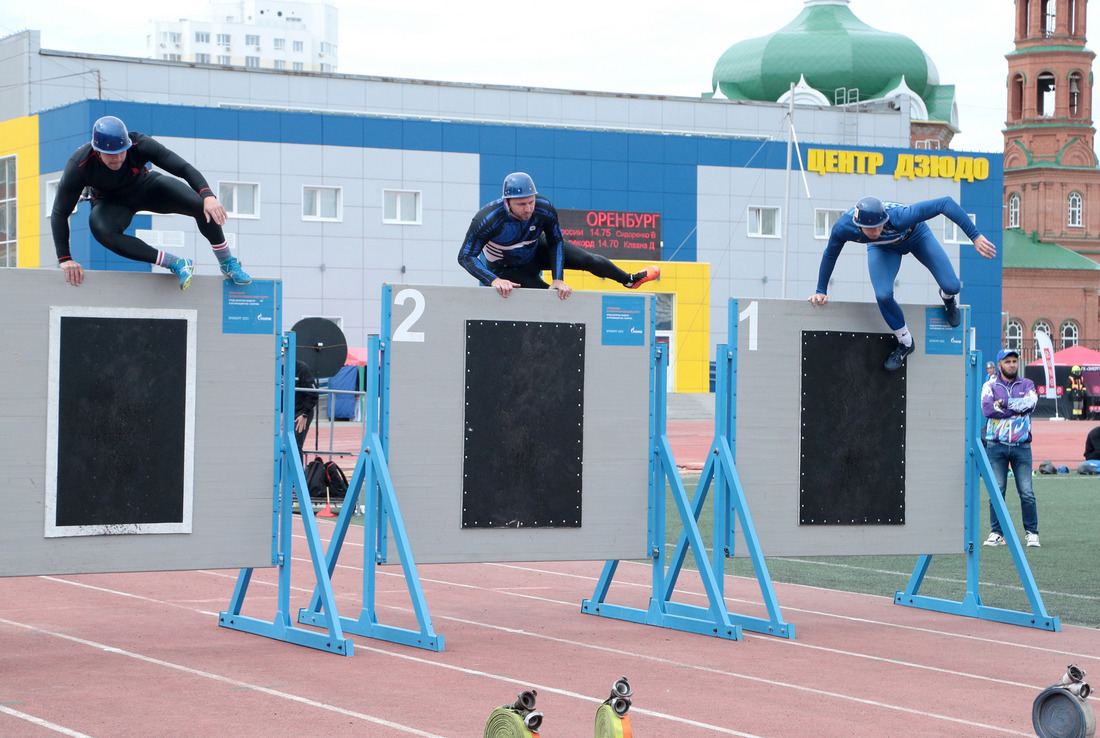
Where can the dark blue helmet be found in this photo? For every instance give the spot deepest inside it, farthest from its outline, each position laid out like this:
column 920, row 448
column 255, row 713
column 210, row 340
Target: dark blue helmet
column 870, row 213
column 109, row 136
column 519, row 184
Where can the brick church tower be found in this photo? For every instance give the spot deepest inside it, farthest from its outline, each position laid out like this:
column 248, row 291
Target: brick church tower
column 1051, row 237
column 1052, row 184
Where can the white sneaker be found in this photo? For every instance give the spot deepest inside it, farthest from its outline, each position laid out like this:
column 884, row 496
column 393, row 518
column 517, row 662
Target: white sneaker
column 996, row 539
column 1032, row 540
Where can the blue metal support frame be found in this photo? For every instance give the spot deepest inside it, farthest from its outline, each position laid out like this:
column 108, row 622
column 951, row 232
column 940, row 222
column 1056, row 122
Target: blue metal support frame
column 289, row 476
column 729, row 501
column 977, row 469
column 372, row 477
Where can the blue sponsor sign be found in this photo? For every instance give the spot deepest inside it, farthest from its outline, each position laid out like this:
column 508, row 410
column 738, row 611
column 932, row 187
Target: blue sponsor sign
column 624, row 320
column 249, row 308
column 939, row 336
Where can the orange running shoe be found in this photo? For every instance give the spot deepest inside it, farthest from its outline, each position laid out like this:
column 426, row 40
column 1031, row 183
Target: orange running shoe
column 648, row 274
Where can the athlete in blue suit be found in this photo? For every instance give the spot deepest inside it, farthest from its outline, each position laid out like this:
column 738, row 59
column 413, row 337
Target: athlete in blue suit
column 519, row 236
column 890, row 231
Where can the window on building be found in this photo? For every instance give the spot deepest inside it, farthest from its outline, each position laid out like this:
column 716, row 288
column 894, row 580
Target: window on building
column 224, row 60
column 1016, row 98
column 298, row 46
column 1044, row 90
column 280, row 44
column 1044, row 327
column 1075, row 95
column 1048, row 18
column 280, row 64
column 8, row 218
column 321, row 203
column 174, row 38
column 298, row 66
column 1069, row 333
column 952, row 233
column 172, row 57
column 225, row 39
column 202, row 58
column 327, row 68
column 1014, row 335
column 202, row 37
column 401, row 206
column 251, row 39
column 252, row 62
column 1014, row 210
column 240, row 199
column 824, row 220
column 1075, row 210
column 764, row 222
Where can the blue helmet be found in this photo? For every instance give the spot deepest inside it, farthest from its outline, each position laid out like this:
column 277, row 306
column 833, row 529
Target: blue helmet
column 870, row 213
column 109, row 136
column 519, row 184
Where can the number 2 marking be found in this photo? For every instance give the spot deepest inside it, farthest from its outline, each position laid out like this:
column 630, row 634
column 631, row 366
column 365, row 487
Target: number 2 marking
column 403, row 333
column 752, row 313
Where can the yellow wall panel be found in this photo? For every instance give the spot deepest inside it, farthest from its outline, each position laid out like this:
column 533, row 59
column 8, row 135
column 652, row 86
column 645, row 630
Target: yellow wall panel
column 19, row 138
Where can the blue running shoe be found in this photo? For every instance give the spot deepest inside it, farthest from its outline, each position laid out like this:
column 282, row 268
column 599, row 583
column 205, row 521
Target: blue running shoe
column 231, row 268
column 184, row 269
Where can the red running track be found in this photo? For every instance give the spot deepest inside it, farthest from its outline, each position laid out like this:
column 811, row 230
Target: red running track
column 141, row 655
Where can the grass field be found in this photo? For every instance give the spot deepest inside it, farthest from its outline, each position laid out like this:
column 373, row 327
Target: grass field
column 1064, row 567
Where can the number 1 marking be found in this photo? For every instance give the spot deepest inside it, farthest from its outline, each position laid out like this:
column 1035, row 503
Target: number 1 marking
column 752, row 312
column 403, row 333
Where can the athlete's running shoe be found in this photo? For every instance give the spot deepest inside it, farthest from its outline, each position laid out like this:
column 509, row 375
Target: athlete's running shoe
column 648, row 274
column 184, row 269
column 995, row 539
column 896, row 359
column 951, row 311
column 231, row 268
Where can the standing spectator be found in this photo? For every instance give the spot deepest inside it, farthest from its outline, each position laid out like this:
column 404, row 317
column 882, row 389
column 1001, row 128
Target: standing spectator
column 1008, row 400
column 113, row 168
column 304, row 402
column 1076, row 391
column 990, row 370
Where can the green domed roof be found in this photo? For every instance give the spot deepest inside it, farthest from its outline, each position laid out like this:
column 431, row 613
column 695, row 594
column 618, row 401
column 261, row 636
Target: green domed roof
column 832, row 48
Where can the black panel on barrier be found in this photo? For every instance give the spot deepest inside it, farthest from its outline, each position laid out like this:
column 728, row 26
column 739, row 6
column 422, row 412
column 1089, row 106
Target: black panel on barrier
column 121, row 421
column 853, row 431
column 524, row 421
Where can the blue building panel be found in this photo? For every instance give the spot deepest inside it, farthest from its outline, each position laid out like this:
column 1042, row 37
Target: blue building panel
column 610, row 146
column 383, row 133
column 342, row 130
column 420, row 135
column 645, row 147
column 299, row 128
column 462, row 138
column 577, row 144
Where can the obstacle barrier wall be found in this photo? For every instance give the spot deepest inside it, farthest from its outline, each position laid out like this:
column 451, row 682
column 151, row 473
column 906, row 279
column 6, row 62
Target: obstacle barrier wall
column 519, row 427
column 838, row 456
column 137, row 429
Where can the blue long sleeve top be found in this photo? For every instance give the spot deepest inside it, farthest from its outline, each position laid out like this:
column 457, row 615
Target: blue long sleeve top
column 903, row 221
column 508, row 242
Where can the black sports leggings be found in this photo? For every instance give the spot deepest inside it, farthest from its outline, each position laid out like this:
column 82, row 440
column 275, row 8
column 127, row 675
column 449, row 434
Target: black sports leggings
column 527, row 275
column 154, row 192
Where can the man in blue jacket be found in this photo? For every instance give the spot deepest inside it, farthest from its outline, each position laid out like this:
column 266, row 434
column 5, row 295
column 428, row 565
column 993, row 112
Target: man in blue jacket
column 890, row 231
column 520, row 236
column 1008, row 400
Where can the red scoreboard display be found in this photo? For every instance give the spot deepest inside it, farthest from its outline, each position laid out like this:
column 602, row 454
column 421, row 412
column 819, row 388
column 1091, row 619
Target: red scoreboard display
column 614, row 233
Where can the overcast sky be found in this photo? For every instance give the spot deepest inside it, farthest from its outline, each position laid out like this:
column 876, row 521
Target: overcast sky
column 670, row 49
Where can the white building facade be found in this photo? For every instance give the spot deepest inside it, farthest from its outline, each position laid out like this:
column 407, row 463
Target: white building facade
column 256, row 34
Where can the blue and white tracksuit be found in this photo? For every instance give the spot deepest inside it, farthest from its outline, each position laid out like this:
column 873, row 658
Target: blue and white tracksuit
column 1008, row 405
column 904, row 233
